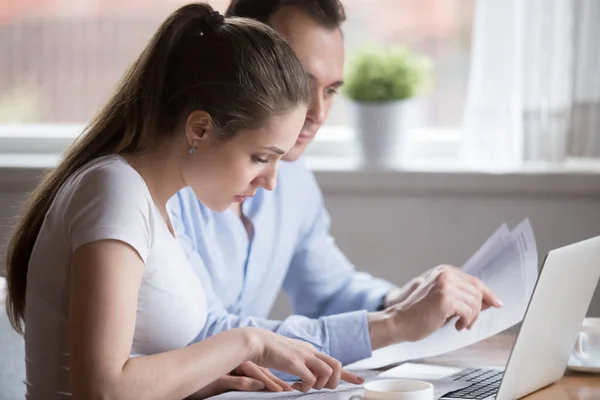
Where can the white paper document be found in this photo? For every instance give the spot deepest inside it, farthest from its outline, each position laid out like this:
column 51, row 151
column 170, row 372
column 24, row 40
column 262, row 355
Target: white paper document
column 345, row 391
column 508, row 263
column 418, row 371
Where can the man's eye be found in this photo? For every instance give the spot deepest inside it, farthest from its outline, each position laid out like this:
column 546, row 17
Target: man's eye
column 259, row 160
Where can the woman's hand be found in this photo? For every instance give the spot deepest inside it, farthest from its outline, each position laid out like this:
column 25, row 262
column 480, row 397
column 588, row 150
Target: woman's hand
column 248, row 377
column 315, row 370
column 261, row 375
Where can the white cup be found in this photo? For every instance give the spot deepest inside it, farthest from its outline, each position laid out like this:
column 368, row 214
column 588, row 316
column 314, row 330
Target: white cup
column 587, row 347
column 398, row 389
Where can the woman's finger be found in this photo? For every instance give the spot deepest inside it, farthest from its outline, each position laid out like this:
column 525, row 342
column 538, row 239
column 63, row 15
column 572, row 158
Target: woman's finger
column 339, row 372
column 264, row 375
column 305, row 374
column 240, row 383
column 351, row 378
column 271, row 381
column 321, row 370
column 336, row 366
column 321, row 382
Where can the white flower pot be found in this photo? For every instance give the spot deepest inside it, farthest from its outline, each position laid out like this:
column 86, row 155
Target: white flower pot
column 381, row 130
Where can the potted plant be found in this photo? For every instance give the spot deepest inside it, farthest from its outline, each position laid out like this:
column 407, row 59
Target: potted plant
column 383, row 86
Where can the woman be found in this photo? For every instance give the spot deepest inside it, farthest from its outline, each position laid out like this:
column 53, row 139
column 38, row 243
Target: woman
column 107, row 297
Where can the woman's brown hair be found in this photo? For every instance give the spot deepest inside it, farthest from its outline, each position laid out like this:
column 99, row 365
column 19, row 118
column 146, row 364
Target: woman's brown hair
column 237, row 70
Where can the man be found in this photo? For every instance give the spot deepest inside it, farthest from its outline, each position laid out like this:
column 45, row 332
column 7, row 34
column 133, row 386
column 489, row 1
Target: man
column 280, row 239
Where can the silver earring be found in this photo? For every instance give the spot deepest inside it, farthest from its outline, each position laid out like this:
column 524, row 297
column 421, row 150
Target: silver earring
column 193, row 148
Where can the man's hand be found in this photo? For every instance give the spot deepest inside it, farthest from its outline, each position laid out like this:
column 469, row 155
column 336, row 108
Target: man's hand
column 410, row 292
column 427, row 303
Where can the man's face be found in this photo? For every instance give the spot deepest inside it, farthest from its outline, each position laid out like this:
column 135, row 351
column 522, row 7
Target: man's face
column 321, row 51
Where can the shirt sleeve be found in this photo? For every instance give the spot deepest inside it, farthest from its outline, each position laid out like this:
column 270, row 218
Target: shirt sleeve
column 110, row 204
column 321, row 280
column 344, row 336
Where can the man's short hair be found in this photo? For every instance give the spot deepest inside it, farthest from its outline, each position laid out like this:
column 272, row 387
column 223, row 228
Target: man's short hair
column 328, row 13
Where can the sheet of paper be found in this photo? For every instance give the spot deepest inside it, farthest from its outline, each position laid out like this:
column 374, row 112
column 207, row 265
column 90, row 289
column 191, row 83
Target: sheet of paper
column 441, row 387
column 492, row 243
column 509, row 266
column 343, row 392
column 410, row 370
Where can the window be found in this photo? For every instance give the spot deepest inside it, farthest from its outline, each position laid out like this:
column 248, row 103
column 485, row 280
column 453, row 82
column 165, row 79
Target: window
column 64, row 58
column 440, row 29
column 61, row 59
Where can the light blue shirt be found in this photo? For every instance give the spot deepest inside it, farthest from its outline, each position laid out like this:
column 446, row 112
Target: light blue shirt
column 291, row 249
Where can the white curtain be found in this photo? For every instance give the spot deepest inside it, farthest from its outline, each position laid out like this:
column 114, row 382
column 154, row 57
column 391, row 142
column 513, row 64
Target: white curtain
column 534, row 85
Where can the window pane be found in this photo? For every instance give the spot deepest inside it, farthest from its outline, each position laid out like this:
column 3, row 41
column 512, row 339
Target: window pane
column 61, row 59
column 440, row 29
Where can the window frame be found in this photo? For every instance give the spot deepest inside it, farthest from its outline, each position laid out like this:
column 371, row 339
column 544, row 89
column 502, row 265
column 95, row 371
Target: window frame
column 331, row 141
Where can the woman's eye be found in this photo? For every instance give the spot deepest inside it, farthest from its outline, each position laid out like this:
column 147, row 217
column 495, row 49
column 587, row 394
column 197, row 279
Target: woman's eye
column 259, row 160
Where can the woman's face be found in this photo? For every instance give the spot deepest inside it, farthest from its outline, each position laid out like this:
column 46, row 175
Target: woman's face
column 222, row 172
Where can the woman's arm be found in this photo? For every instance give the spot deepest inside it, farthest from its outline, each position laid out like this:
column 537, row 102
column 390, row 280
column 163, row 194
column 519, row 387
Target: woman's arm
column 105, row 279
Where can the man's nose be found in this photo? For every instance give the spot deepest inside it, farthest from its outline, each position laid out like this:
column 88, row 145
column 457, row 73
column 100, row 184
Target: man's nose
column 317, row 112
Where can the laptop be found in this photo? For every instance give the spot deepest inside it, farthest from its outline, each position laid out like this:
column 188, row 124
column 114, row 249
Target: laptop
column 549, row 329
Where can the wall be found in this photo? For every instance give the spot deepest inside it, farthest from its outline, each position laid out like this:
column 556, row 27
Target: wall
column 397, row 225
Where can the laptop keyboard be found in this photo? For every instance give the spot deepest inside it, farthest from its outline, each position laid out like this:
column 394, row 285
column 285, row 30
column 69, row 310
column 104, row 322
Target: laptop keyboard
column 485, row 383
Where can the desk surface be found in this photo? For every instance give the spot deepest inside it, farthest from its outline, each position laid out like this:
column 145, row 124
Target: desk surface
column 495, row 352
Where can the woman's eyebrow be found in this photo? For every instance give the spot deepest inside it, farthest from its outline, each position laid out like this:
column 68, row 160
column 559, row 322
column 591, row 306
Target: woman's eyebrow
column 274, row 149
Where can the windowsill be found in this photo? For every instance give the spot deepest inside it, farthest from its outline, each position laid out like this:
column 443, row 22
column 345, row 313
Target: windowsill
column 430, row 166
column 337, row 175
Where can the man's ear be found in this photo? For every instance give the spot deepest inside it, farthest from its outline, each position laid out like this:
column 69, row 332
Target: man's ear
column 197, row 126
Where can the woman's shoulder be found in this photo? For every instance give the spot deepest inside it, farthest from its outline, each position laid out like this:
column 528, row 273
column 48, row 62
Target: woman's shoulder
column 107, row 199
column 107, row 185
column 106, row 178
column 109, row 173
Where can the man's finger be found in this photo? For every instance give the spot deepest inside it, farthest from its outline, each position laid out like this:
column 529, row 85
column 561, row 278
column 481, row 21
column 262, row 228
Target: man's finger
column 474, row 302
column 488, row 296
column 464, row 312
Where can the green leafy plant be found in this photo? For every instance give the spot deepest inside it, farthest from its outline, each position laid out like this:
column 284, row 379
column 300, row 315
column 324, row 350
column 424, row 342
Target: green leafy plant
column 380, row 75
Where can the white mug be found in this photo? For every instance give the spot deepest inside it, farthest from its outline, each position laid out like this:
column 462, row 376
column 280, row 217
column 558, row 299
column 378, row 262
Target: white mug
column 587, row 347
column 398, row 389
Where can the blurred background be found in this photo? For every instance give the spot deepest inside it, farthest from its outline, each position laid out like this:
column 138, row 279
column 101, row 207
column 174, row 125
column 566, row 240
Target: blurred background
column 61, row 59
column 510, row 128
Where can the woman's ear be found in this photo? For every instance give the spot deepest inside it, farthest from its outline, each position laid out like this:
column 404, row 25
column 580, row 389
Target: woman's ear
column 197, row 126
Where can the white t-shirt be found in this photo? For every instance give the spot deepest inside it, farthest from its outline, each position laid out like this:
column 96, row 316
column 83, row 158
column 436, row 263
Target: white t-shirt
column 106, row 199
